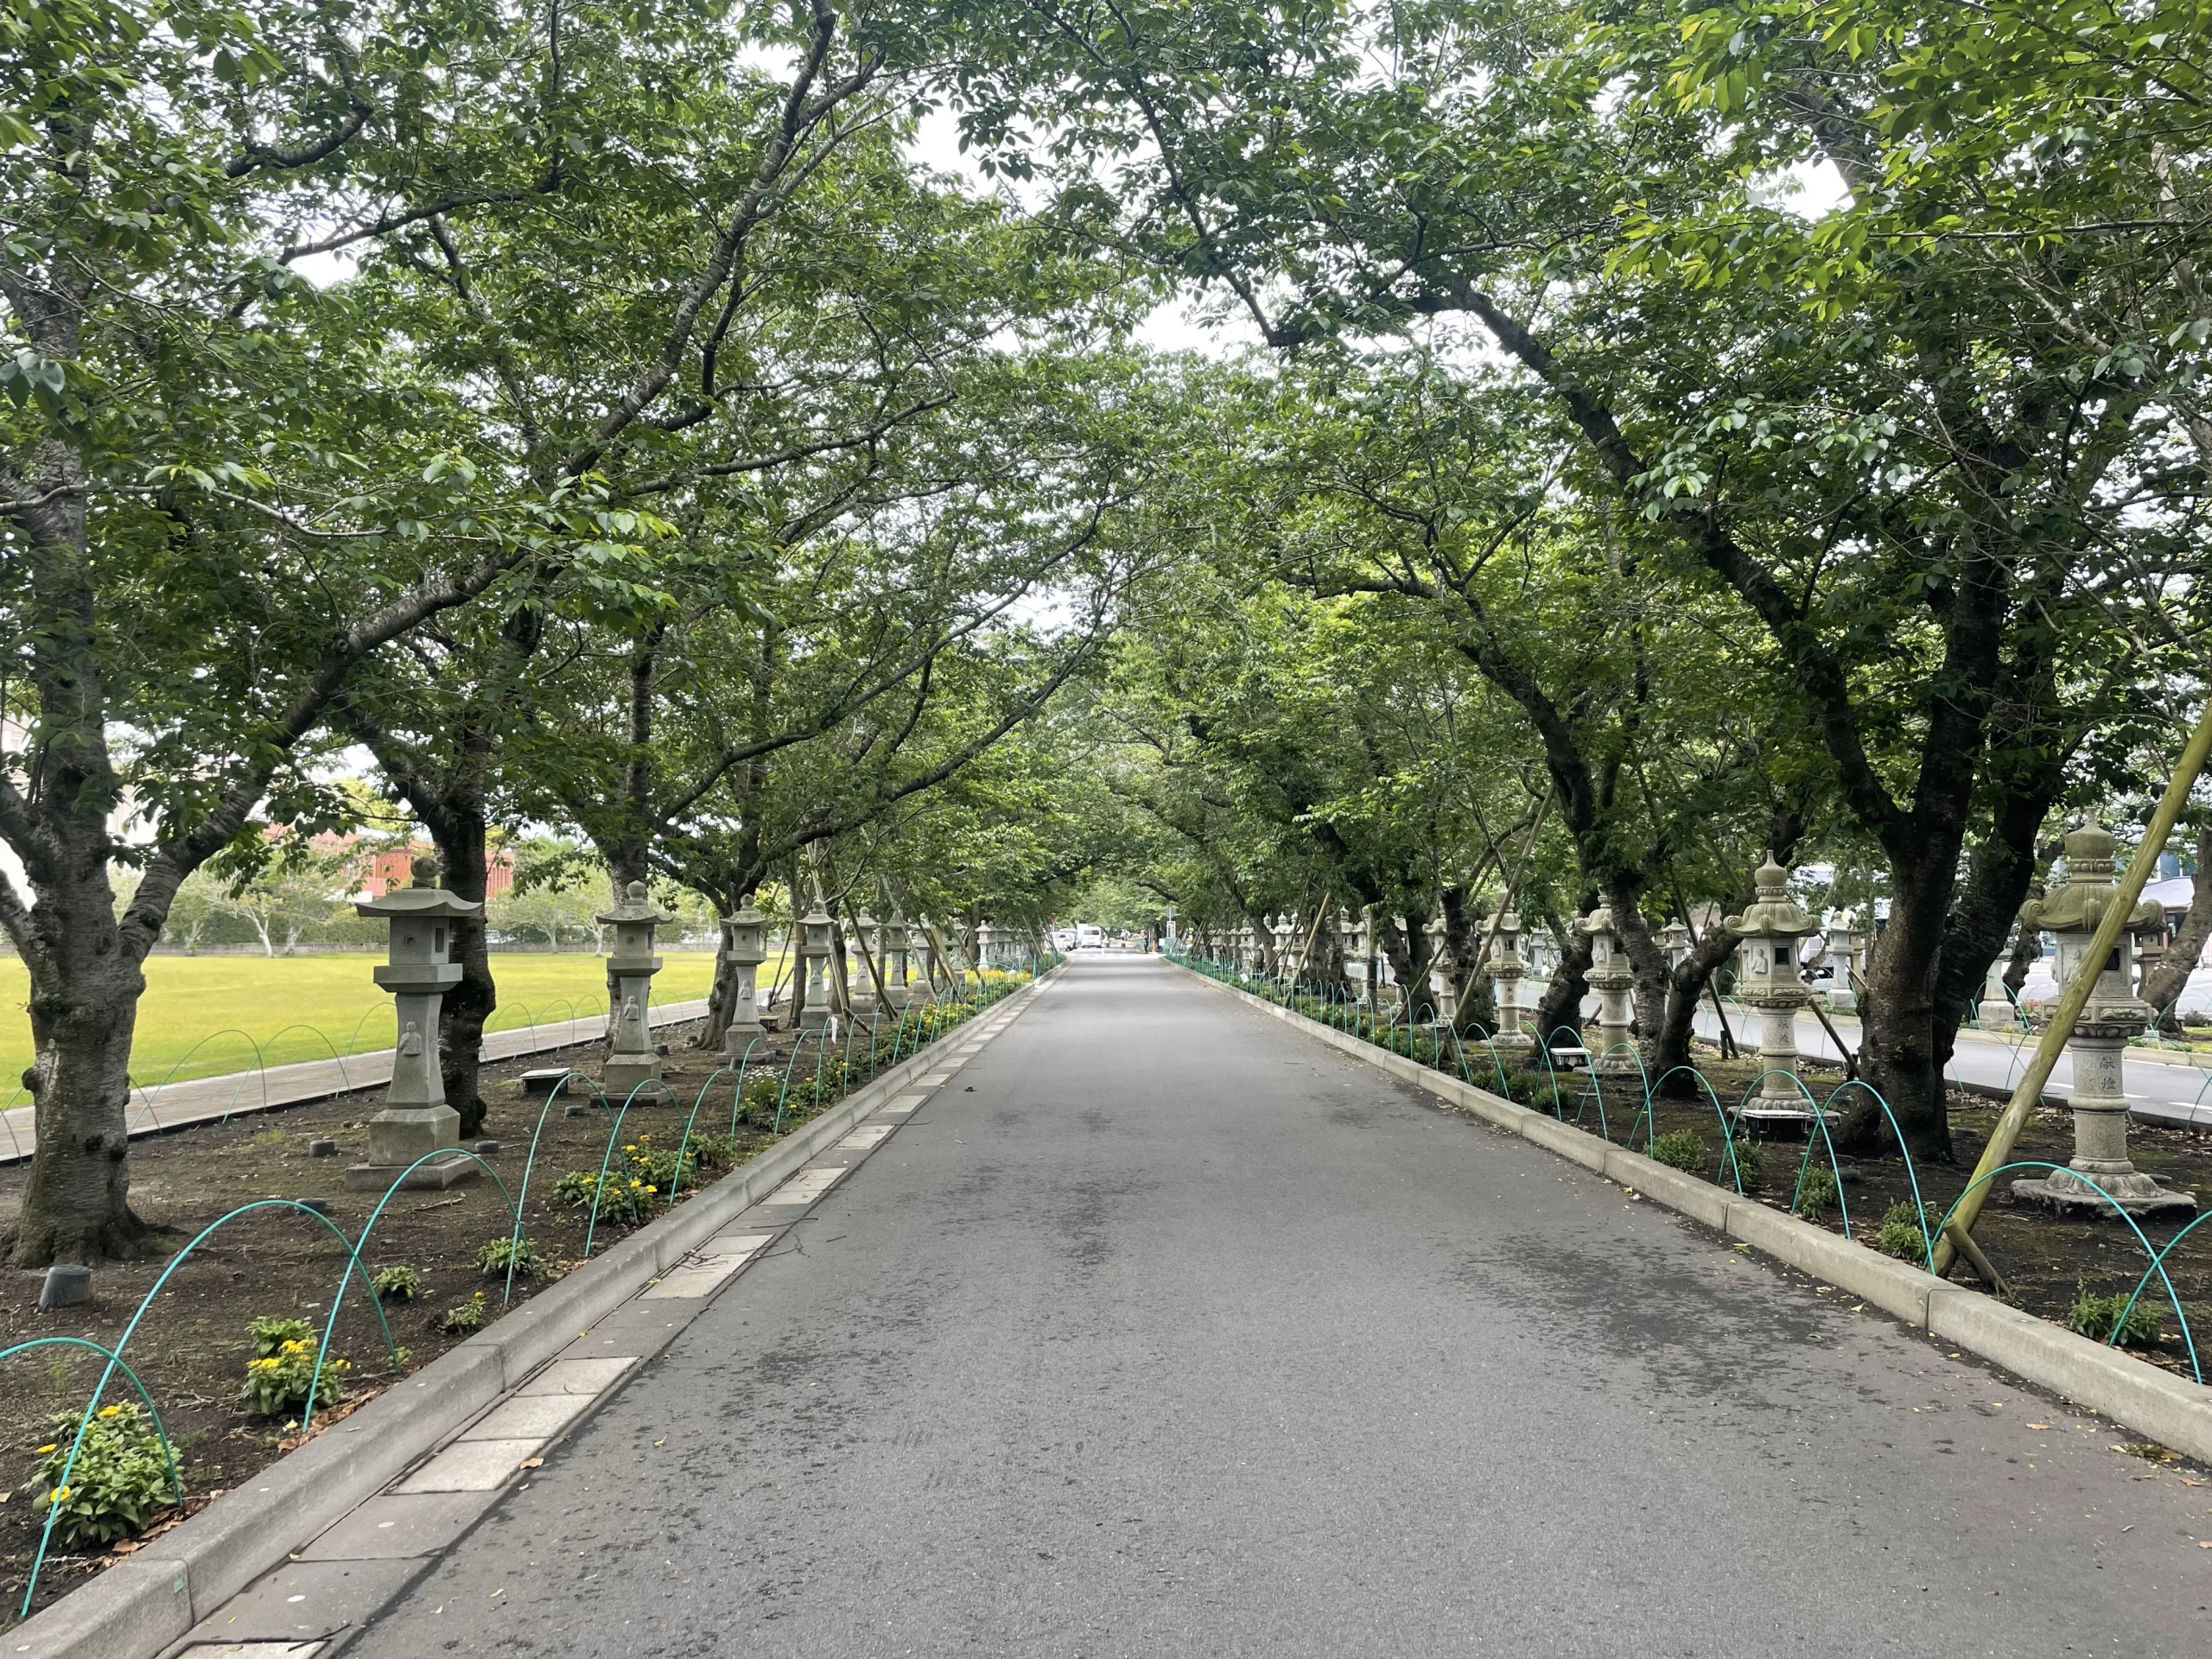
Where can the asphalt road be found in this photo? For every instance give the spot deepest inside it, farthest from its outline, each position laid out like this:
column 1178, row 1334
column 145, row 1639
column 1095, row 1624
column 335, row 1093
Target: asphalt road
column 1165, row 1330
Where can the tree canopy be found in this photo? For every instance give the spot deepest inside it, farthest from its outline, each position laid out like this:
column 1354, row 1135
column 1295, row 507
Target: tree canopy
column 1635, row 438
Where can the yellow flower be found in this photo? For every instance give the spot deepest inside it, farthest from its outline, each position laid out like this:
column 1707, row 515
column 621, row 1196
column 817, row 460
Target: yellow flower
column 60, row 1494
column 652, row 1189
column 110, row 1411
column 48, row 1448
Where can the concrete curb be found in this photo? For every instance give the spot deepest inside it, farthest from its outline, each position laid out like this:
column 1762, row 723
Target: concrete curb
column 2169, row 1409
column 140, row 1607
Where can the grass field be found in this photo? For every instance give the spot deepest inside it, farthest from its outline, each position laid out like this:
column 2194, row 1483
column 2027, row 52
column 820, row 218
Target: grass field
column 204, row 1015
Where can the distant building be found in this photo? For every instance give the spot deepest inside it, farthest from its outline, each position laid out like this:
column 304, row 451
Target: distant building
column 375, row 870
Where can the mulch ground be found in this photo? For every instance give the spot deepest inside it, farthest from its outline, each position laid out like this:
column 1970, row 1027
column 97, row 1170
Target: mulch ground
column 192, row 1345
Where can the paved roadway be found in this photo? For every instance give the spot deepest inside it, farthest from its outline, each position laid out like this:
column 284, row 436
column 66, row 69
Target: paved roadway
column 1163, row 1331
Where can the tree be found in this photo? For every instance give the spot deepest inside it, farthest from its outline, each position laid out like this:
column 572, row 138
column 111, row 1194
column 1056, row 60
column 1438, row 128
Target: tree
column 284, row 897
column 1919, row 473
column 212, row 476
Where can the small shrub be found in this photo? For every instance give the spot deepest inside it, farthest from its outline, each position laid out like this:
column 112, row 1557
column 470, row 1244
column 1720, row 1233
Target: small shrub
column 467, row 1318
column 1816, row 1192
column 278, row 1382
column 1682, row 1149
column 521, row 1253
column 119, row 1482
column 1899, row 1233
column 397, row 1283
column 2095, row 1316
column 650, row 1164
column 1750, row 1160
column 269, row 1334
column 629, row 1198
column 756, row 1103
column 715, row 1152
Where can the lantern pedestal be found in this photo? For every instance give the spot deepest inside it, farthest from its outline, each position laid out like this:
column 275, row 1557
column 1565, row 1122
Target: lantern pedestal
column 416, row 1123
column 2100, row 1110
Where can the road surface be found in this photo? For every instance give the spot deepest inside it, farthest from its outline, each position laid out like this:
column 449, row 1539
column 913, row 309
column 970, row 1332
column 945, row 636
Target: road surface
column 1166, row 1330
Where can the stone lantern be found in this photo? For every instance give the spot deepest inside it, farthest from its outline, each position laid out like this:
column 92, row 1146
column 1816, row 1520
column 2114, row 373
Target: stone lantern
column 1443, row 1008
column 2111, row 1016
column 1505, row 971
column 633, row 1068
column 1609, row 977
column 1843, row 941
column 894, row 945
column 814, row 954
column 1771, row 930
column 925, row 956
column 860, row 983
column 745, row 937
column 416, row 1119
column 1675, row 940
column 987, row 947
column 1285, row 932
column 1169, row 920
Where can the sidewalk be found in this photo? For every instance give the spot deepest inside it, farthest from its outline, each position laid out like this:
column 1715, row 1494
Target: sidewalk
column 202, row 1100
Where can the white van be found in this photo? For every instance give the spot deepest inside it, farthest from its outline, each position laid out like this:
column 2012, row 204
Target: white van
column 1089, row 937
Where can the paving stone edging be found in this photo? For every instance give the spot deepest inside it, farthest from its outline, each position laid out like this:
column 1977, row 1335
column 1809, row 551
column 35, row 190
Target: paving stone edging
column 144, row 1605
column 2169, row 1409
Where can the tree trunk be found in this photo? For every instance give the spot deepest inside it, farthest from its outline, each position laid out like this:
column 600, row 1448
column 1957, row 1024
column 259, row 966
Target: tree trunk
column 84, row 1010
column 1898, row 1053
column 721, row 995
column 1562, row 1003
column 1686, row 988
column 1474, row 997
column 460, row 838
column 2163, row 985
column 1410, row 959
column 1647, row 963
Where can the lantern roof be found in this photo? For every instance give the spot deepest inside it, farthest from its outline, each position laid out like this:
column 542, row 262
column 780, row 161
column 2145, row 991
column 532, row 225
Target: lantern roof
column 2080, row 905
column 426, row 902
column 1775, row 910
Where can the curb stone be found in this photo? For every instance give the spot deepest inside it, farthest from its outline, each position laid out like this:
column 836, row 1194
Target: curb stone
column 2170, row 1409
column 143, row 1606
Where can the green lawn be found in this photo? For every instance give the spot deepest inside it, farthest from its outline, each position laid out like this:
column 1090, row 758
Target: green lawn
column 202, row 1015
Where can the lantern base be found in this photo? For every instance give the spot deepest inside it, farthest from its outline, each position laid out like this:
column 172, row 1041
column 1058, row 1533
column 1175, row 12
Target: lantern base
column 1768, row 1121
column 434, row 1176
column 2065, row 1193
column 636, row 1081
